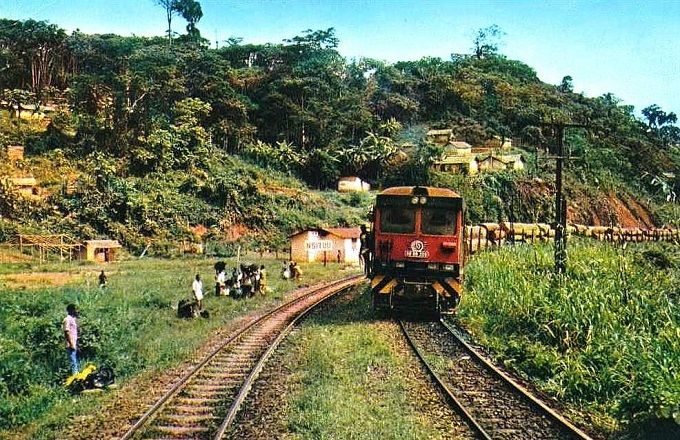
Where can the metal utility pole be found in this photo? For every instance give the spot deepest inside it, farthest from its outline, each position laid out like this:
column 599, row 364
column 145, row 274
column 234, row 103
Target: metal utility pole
column 560, row 207
column 560, row 199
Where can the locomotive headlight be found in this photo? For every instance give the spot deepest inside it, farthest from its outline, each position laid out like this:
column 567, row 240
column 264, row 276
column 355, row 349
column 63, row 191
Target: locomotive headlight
column 399, row 264
column 414, row 201
column 449, row 267
column 423, row 200
column 432, row 266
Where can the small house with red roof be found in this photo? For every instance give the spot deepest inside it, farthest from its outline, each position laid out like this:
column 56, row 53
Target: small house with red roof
column 329, row 244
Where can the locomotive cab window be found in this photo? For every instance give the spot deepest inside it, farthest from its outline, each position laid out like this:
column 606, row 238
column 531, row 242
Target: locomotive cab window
column 437, row 221
column 397, row 220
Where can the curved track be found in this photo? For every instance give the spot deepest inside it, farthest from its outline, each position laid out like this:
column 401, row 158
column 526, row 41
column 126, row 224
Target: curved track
column 202, row 404
column 495, row 405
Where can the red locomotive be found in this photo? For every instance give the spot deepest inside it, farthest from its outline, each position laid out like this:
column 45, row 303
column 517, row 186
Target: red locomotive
column 417, row 249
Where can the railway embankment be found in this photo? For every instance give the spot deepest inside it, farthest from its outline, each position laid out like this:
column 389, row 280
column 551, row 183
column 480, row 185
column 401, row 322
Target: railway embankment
column 603, row 338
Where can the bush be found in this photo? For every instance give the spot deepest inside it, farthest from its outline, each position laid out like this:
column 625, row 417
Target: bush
column 15, row 368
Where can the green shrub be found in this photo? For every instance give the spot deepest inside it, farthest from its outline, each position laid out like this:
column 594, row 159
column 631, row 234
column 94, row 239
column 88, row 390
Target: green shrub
column 15, row 368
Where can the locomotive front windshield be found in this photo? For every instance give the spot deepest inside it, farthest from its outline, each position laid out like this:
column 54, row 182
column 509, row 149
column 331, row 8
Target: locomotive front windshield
column 398, row 220
column 438, row 221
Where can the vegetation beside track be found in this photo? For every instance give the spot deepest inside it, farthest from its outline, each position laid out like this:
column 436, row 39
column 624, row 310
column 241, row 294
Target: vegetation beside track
column 604, row 338
column 130, row 325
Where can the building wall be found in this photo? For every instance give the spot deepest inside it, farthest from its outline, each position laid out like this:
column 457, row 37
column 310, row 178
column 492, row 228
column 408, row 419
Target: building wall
column 15, row 152
column 492, row 164
column 349, row 248
column 351, row 251
column 353, row 185
column 297, row 244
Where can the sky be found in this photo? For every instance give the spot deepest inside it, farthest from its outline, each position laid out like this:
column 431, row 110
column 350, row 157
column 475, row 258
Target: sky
column 628, row 48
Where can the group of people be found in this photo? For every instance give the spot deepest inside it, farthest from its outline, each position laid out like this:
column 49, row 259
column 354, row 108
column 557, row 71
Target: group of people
column 244, row 281
column 291, row 271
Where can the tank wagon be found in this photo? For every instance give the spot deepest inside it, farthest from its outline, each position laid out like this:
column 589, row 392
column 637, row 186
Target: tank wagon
column 418, row 250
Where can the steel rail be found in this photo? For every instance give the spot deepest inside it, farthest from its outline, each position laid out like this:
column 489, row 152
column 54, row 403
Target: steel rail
column 234, row 336
column 453, row 400
column 240, row 398
column 564, row 423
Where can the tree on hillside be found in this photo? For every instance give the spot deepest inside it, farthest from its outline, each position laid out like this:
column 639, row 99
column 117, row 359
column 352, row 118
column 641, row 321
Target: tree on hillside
column 567, row 85
column 34, row 55
column 169, row 6
column 486, row 41
column 191, row 11
column 657, row 117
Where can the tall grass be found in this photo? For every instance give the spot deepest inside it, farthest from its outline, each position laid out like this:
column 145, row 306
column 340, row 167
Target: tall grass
column 606, row 336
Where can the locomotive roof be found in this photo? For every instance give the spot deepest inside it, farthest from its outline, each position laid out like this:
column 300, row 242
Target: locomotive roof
column 408, row 191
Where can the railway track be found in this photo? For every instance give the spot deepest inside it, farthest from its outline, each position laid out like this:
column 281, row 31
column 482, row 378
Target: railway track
column 203, row 403
column 494, row 405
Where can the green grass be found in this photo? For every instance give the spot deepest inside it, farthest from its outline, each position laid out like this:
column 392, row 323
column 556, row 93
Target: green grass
column 604, row 338
column 351, row 382
column 130, row 325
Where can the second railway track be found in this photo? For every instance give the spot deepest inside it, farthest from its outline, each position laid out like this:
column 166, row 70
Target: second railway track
column 203, row 403
column 494, row 405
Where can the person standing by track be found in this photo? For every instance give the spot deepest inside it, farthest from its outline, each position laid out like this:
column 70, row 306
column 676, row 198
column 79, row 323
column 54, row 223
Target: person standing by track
column 366, row 249
column 70, row 328
column 263, row 280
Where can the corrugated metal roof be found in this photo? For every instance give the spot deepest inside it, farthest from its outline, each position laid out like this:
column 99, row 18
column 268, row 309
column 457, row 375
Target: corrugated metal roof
column 455, row 160
column 460, row 144
column 339, row 232
column 439, row 132
column 506, row 159
column 344, row 232
column 103, row 243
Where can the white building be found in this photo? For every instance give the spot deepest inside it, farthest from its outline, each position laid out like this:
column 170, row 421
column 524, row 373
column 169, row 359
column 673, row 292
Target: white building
column 333, row 244
column 352, row 184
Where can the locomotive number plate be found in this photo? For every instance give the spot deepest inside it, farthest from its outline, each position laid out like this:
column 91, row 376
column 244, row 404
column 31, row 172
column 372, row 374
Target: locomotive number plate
column 416, row 250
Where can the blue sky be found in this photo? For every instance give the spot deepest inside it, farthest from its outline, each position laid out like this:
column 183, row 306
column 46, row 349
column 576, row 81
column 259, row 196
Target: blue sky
column 629, row 48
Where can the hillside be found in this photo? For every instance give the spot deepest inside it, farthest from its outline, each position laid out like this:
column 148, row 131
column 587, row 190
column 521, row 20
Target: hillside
column 224, row 200
column 139, row 141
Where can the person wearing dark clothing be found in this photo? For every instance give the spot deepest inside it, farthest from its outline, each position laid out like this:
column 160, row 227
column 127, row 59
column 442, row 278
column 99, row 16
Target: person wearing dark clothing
column 295, row 272
column 366, row 248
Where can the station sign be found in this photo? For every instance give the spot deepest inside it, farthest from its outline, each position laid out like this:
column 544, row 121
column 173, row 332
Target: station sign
column 319, row 245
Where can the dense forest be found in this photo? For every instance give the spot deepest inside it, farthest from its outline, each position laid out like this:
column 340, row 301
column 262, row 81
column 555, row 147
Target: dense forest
column 146, row 135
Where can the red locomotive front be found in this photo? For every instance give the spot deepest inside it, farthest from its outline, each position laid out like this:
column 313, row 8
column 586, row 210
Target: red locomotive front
column 418, row 251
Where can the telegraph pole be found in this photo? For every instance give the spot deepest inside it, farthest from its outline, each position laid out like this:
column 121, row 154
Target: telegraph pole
column 560, row 207
column 560, row 199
